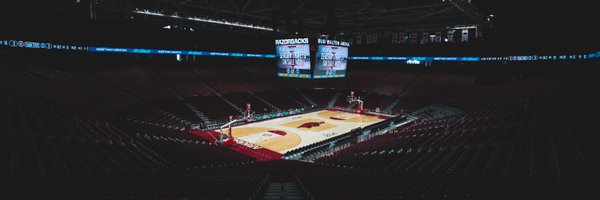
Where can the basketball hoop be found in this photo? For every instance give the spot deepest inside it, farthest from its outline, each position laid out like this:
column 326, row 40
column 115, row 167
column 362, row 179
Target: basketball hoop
column 227, row 126
column 351, row 99
column 248, row 113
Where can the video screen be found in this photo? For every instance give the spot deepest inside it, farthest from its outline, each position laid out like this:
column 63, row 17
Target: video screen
column 331, row 59
column 293, row 58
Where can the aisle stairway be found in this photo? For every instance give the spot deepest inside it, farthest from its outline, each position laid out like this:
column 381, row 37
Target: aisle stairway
column 282, row 187
column 334, row 99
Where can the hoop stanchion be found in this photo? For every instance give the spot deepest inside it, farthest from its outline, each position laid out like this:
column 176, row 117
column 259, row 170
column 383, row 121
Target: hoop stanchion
column 247, row 115
column 354, row 99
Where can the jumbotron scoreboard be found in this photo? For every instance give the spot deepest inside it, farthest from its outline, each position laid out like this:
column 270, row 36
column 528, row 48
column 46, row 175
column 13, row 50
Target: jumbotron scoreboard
column 296, row 58
column 331, row 59
column 293, row 57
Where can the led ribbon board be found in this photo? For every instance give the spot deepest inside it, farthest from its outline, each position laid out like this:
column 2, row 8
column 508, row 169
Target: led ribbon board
column 396, row 58
column 179, row 52
column 302, row 41
column 40, row 45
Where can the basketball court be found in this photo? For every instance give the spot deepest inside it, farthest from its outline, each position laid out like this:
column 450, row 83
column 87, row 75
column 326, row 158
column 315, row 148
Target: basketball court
column 292, row 132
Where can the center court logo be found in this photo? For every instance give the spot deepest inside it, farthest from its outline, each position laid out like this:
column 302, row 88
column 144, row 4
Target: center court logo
column 311, row 124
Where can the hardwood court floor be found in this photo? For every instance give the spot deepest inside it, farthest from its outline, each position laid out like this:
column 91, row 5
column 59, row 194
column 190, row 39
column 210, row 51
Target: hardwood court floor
column 325, row 124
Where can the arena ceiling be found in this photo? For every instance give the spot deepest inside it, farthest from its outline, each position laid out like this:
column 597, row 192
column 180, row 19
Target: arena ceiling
column 321, row 16
column 311, row 16
column 317, row 15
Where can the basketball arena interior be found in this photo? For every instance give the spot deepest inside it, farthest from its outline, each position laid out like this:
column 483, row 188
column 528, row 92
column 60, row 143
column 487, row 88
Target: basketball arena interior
column 299, row 99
